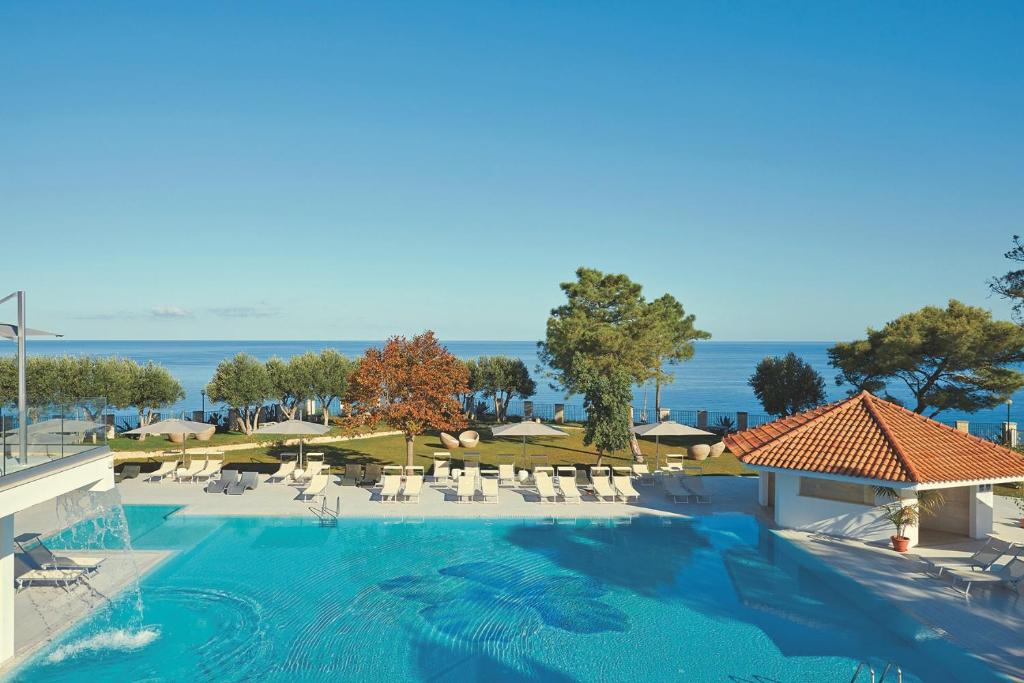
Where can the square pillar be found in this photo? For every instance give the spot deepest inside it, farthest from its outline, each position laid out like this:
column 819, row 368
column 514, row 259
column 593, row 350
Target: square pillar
column 742, row 420
column 702, row 419
column 664, row 414
column 1010, row 434
column 907, row 498
column 963, row 426
column 6, row 587
column 982, row 503
column 559, row 413
column 527, row 410
column 763, row 479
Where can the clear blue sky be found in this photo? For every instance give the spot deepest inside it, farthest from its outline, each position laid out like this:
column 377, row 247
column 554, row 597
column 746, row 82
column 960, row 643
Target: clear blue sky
column 352, row 170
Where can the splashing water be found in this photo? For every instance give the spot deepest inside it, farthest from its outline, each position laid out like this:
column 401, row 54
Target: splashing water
column 114, row 639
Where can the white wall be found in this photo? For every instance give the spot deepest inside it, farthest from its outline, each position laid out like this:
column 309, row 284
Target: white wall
column 831, row 517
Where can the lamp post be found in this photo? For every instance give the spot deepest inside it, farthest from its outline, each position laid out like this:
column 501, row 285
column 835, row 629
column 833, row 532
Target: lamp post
column 202, row 393
column 1009, row 402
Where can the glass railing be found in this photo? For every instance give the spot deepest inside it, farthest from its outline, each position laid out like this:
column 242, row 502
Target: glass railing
column 53, row 431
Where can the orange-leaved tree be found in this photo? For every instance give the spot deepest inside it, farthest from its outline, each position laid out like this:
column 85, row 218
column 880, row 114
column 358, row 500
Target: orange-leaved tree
column 412, row 385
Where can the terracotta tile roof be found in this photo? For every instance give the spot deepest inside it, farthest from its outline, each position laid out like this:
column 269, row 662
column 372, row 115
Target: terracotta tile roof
column 867, row 437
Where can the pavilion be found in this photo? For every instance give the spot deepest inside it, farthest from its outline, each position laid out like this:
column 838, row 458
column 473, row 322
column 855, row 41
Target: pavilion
column 819, row 470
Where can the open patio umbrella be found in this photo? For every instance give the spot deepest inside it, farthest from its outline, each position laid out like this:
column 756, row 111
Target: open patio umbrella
column 173, row 426
column 525, row 429
column 666, row 428
column 299, row 428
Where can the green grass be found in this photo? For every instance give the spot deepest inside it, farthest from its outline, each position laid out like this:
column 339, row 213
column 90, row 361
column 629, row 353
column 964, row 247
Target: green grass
column 158, row 442
column 568, row 450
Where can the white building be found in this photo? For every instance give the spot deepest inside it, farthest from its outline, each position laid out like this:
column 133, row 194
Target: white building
column 818, row 470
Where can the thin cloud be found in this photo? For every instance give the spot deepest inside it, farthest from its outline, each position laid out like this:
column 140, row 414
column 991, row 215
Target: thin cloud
column 244, row 312
column 170, row 312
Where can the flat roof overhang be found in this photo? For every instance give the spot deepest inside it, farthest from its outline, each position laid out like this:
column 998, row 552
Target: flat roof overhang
column 93, row 468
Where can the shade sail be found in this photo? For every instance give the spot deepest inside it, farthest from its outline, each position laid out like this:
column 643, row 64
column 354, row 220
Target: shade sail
column 526, row 429
column 295, row 428
column 172, row 426
column 9, row 331
column 668, row 428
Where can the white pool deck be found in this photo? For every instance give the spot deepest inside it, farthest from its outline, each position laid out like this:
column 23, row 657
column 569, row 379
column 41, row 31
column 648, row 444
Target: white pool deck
column 989, row 623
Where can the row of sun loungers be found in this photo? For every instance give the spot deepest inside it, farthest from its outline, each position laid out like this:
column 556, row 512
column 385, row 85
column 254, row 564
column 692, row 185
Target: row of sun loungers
column 982, row 567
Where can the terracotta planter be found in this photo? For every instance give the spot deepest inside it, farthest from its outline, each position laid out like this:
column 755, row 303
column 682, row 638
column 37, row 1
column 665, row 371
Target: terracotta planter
column 900, row 543
column 717, row 449
column 469, row 439
column 700, row 451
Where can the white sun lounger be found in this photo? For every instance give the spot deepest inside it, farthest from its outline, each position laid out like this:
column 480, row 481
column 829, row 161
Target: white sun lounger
column 675, row 490
column 982, row 559
column 466, row 489
column 489, row 489
column 283, row 472
column 545, row 486
column 506, row 474
column 27, row 576
column 391, row 484
column 695, row 485
column 567, row 485
column 311, row 470
column 675, row 461
column 442, row 470
column 601, row 480
column 643, row 474
column 189, row 472
column 213, row 467
column 316, row 486
column 413, row 484
column 623, row 482
column 166, row 469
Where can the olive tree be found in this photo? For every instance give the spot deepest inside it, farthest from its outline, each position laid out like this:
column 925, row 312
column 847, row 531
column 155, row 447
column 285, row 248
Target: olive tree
column 502, row 378
column 244, row 384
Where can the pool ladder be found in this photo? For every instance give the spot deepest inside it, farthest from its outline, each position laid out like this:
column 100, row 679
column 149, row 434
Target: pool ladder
column 889, row 667
column 326, row 517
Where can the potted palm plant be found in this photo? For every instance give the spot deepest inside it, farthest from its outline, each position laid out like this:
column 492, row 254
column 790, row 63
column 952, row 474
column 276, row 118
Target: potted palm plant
column 902, row 516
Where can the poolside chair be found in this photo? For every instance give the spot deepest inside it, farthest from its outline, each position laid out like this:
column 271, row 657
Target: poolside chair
column 675, row 490
column 506, row 474
column 227, row 478
column 127, row 472
column 1010, row 575
column 643, row 474
column 42, row 557
column 567, row 485
column 542, row 479
column 695, row 485
column 311, row 470
column 165, row 470
column 371, row 475
column 189, row 471
column 212, row 468
column 471, row 465
column 622, row 481
column 315, row 487
column 283, row 472
column 249, row 481
column 489, row 489
column 674, row 461
column 353, row 474
column 583, row 481
column 441, row 472
column 391, row 484
column 466, row 489
column 24, row 575
column 982, row 559
column 413, row 484
column 600, row 477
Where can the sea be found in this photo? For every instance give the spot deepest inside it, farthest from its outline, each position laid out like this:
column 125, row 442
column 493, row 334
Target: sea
column 715, row 379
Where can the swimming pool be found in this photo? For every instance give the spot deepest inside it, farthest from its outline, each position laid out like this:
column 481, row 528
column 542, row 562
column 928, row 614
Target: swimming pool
column 715, row 598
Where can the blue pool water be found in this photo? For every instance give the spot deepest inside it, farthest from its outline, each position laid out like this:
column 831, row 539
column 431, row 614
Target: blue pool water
column 709, row 599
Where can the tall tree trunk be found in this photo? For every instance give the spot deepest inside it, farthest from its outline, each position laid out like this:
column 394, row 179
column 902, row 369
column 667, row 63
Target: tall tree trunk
column 657, row 399
column 142, row 422
column 634, row 446
column 326, row 411
column 497, row 408
column 410, row 446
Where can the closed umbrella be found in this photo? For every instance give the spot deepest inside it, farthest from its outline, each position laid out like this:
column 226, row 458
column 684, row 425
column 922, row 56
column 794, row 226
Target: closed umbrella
column 525, row 429
column 173, row 426
column 666, row 428
column 298, row 428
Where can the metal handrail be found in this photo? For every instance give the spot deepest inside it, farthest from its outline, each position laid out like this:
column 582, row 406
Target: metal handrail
column 889, row 666
column 863, row 663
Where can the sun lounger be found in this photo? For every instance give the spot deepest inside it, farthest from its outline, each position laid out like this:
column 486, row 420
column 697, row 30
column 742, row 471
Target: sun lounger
column 674, row 461
column 212, row 468
column 983, row 559
column 166, row 469
column 489, row 489
column 622, row 480
column 311, row 469
column 567, row 485
column 283, row 472
column 127, row 472
column 466, row 489
column 441, row 472
column 643, row 474
column 25, row 575
column 413, row 484
column 506, row 474
column 600, row 477
column 371, row 476
column 353, row 474
column 695, row 485
column 391, row 484
column 315, row 487
column 41, row 557
column 227, row 478
column 249, row 481
column 189, row 472
column 545, row 485
column 675, row 490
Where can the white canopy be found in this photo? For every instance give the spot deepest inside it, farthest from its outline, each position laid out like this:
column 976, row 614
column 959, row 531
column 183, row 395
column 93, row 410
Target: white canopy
column 295, row 428
column 524, row 429
column 9, row 331
column 172, row 426
column 668, row 428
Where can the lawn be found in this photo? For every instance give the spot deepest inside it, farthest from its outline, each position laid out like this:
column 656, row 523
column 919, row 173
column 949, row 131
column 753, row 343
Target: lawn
column 568, row 450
